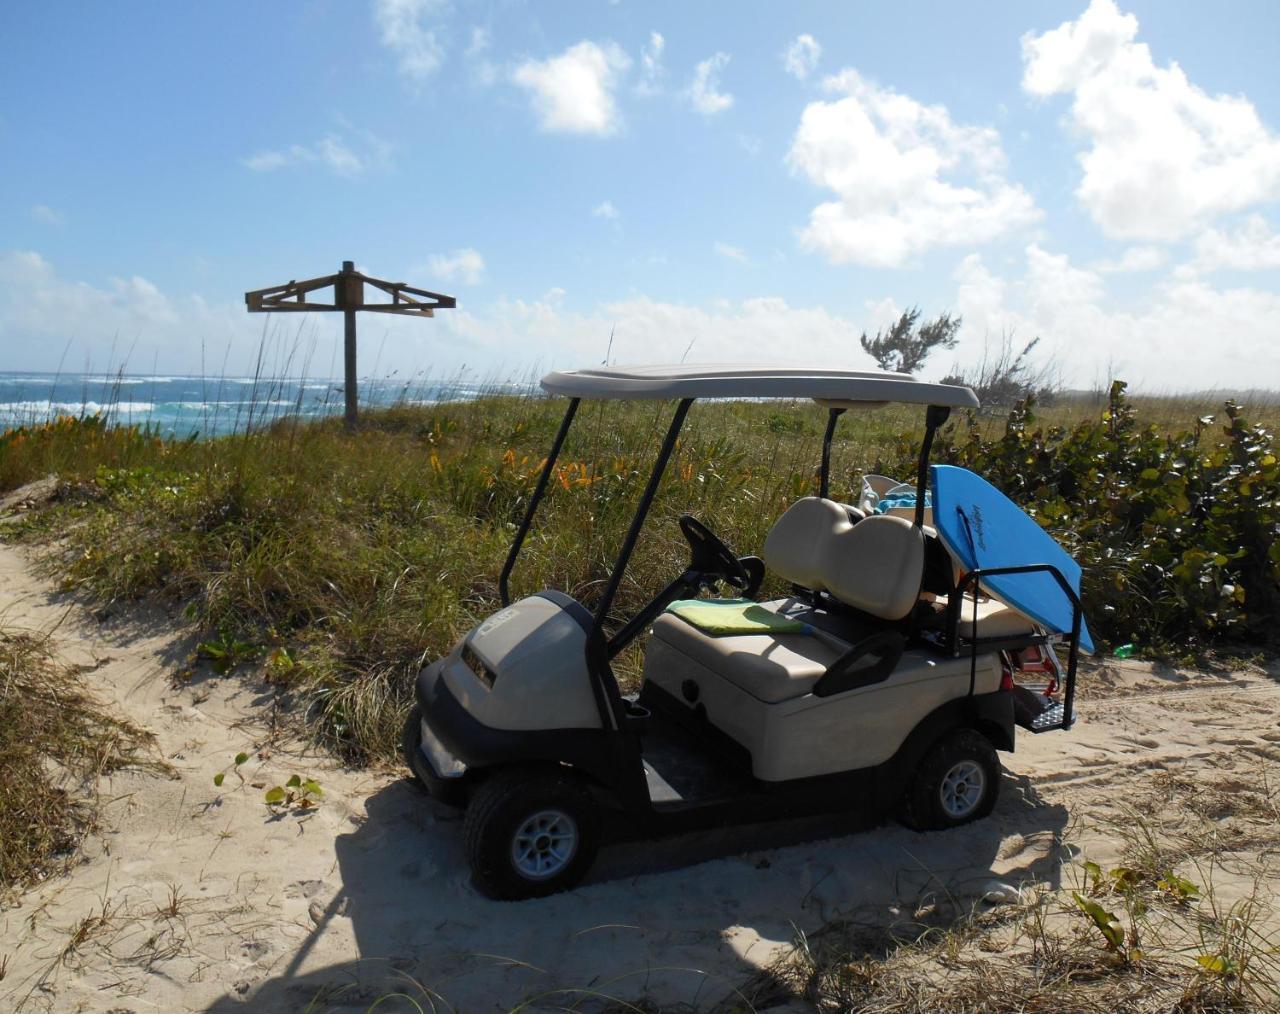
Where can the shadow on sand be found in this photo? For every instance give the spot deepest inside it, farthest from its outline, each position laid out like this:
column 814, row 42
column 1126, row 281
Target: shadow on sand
column 681, row 920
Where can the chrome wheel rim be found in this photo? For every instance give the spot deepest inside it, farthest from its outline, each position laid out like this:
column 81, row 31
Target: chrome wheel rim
column 544, row 844
column 963, row 787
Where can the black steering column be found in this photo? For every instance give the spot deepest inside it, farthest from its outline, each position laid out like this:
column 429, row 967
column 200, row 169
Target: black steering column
column 710, row 562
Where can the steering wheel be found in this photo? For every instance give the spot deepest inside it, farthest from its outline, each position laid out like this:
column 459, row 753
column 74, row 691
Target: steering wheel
column 711, row 556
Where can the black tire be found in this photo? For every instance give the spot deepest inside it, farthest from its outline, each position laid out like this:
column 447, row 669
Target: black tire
column 450, row 791
column 507, row 804
column 942, row 792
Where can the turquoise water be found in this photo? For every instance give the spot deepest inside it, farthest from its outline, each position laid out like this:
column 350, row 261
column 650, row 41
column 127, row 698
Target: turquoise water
column 182, row 406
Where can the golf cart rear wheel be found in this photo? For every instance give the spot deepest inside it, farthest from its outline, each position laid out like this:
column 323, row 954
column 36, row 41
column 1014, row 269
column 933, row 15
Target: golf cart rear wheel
column 449, row 791
column 957, row 782
column 530, row 835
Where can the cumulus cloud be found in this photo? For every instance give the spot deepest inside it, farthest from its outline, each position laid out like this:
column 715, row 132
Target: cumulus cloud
column 732, row 253
column 1163, row 157
column 801, row 57
column 906, row 178
column 605, row 209
column 652, row 71
column 704, row 92
column 1183, row 335
column 483, row 70
column 125, row 322
column 1135, row 258
column 1252, row 246
column 405, row 29
column 465, row 266
column 573, row 93
column 46, row 215
column 331, row 152
column 650, row 330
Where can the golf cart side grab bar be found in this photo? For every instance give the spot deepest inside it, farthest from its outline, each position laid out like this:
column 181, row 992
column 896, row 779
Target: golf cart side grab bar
column 974, row 577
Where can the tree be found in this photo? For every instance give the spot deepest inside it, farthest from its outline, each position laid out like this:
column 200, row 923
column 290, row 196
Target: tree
column 1006, row 375
column 904, row 347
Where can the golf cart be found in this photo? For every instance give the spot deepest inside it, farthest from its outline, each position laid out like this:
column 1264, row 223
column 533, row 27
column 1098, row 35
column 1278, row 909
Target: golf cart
column 917, row 634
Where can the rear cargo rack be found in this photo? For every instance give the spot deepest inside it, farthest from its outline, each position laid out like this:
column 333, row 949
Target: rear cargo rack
column 1059, row 716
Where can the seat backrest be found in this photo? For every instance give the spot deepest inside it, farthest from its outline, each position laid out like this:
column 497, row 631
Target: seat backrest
column 873, row 488
column 876, row 565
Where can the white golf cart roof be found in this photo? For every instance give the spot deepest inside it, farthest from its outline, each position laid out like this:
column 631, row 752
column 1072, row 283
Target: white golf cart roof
column 830, row 387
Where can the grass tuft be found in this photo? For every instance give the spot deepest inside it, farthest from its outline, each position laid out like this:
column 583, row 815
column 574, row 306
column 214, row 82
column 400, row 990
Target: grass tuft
column 55, row 740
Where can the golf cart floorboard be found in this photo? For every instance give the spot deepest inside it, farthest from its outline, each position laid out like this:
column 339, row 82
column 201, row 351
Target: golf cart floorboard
column 681, row 772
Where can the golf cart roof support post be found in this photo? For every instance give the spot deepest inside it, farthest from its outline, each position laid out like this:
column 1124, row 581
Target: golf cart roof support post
column 824, row 479
column 538, row 491
column 934, row 416
column 642, row 511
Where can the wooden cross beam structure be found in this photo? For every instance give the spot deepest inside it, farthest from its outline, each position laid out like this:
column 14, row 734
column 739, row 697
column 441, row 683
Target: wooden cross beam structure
column 348, row 297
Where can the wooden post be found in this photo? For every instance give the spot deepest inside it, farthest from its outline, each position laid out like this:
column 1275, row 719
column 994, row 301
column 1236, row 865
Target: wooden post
column 350, row 294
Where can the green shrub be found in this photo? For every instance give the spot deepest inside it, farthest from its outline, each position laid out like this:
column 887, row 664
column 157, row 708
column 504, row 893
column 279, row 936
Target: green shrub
column 1178, row 533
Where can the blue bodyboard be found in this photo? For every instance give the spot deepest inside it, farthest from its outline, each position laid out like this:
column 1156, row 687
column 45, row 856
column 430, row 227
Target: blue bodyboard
column 984, row 528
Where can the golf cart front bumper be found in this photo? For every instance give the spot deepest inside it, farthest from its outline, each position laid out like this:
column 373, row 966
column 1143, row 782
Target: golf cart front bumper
column 464, row 744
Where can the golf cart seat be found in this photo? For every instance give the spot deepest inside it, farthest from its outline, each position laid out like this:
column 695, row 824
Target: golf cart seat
column 875, row 566
column 769, row 666
column 994, row 619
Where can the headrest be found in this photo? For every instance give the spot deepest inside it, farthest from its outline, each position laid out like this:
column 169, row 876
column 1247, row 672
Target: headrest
column 876, row 565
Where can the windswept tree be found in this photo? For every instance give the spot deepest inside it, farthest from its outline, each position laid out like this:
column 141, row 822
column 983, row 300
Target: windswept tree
column 905, row 346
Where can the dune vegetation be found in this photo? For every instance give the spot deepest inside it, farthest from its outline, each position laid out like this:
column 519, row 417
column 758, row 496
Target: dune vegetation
column 342, row 561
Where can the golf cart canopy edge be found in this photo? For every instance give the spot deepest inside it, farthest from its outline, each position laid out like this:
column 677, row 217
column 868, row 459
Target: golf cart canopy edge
column 832, row 388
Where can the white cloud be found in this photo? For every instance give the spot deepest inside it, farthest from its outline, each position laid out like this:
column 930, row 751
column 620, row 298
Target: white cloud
column 331, row 152
column 1163, row 156
column 573, row 93
column 1183, row 335
column 906, row 177
column 47, row 215
column 465, row 266
column 404, row 27
column 801, row 57
column 1135, row 258
column 728, row 252
column 1251, row 247
column 703, row 91
column 651, row 70
column 126, row 322
column 605, row 209
column 483, row 70
column 649, row 330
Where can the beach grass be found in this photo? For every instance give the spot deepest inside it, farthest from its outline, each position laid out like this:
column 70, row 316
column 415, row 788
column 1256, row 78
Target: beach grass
column 341, row 562
column 56, row 740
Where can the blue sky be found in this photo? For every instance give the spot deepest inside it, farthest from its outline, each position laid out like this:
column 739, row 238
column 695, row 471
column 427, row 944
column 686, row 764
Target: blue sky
column 757, row 180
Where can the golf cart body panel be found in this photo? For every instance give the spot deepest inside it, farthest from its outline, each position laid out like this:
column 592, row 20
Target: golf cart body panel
column 885, row 679
column 525, row 667
column 802, row 735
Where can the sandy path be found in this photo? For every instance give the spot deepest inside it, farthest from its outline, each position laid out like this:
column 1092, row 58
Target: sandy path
column 368, row 893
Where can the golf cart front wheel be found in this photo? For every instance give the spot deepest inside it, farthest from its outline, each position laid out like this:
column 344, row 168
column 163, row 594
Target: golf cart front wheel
column 530, row 835
column 957, row 782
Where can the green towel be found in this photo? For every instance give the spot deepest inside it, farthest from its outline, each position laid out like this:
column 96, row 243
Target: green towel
column 734, row 616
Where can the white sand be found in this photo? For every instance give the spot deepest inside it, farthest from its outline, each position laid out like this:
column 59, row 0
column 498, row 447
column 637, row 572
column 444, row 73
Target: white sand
column 372, row 886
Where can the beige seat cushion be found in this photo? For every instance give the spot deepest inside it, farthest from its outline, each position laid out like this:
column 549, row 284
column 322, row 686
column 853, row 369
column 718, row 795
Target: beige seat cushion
column 769, row 667
column 995, row 619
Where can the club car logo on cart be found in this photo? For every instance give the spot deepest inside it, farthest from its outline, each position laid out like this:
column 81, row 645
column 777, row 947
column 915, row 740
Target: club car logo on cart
column 495, row 621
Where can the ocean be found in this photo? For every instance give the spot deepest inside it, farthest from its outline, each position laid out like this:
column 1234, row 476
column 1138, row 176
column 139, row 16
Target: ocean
column 183, row 406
